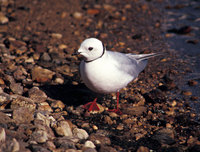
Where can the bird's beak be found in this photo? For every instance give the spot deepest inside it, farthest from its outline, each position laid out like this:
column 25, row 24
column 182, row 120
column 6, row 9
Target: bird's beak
column 75, row 53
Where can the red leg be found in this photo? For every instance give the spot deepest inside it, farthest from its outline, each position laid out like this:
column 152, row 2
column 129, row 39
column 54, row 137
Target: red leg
column 91, row 106
column 117, row 110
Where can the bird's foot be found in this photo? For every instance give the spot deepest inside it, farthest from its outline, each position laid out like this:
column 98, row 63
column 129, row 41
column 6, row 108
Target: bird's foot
column 117, row 111
column 91, row 106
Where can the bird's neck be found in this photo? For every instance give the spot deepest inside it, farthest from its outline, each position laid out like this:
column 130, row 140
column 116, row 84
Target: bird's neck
column 103, row 53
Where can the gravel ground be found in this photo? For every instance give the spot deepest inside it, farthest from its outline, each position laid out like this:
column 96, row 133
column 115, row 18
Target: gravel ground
column 41, row 94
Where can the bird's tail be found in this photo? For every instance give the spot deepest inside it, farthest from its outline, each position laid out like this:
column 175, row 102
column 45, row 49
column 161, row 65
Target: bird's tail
column 141, row 57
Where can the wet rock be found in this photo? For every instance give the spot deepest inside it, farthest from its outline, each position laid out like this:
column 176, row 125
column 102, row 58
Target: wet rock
column 143, row 149
column 37, row 95
column 187, row 93
column 62, row 128
column 165, row 136
column 192, row 83
column 136, row 111
column 23, row 115
column 155, row 96
column 182, row 30
column 80, row 133
column 40, row 74
column 16, row 88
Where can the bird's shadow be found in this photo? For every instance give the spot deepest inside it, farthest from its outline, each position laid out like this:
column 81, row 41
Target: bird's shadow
column 69, row 94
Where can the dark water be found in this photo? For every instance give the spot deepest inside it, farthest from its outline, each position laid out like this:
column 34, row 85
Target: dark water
column 183, row 29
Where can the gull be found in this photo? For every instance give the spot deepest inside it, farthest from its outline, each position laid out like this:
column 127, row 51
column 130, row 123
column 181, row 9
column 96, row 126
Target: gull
column 105, row 71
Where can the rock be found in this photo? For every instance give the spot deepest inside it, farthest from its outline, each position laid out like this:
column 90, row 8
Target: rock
column 77, row 15
column 165, row 136
column 37, row 148
column 19, row 74
column 3, row 19
column 187, row 93
column 108, row 120
column 143, row 149
column 42, row 75
column 5, row 98
column 56, row 35
column 120, row 127
column 15, row 145
column 59, row 80
column 17, row 88
column 2, row 135
column 37, row 95
column 99, row 139
column 40, row 136
column 65, row 142
column 23, row 115
column 44, row 106
column 62, row 128
column 46, row 119
column 155, row 96
column 57, row 104
column 20, row 101
column 80, row 133
column 86, row 149
column 45, row 57
column 136, row 111
column 89, row 144
column 107, row 149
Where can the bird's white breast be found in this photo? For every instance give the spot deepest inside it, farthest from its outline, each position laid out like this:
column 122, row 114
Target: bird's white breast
column 102, row 76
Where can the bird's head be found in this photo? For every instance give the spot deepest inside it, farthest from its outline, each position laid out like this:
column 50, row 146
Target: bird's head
column 91, row 49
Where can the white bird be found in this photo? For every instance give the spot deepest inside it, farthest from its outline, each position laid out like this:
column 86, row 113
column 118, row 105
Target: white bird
column 105, row 71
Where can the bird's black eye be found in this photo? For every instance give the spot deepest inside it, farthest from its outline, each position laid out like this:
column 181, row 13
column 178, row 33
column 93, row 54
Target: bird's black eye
column 90, row 48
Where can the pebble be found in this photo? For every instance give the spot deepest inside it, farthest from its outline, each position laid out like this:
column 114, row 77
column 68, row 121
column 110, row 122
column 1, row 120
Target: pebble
column 56, row 35
column 2, row 135
column 40, row 136
column 187, row 93
column 3, row 19
column 120, row 127
column 17, row 88
column 89, row 144
column 37, row 95
column 42, row 75
column 143, row 149
column 44, row 106
column 58, row 104
column 45, row 57
column 136, row 111
column 77, row 15
column 59, row 80
column 99, row 139
column 80, row 133
column 108, row 120
column 15, row 146
column 23, row 115
column 192, row 83
column 62, row 128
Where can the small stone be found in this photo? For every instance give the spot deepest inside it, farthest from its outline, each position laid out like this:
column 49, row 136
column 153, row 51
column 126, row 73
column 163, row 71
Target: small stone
column 23, row 115
column 45, row 57
column 58, row 104
column 80, row 133
column 59, row 80
column 1, row 81
column 62, row 128
column 108, row 120
column 62, row 46
column 23, row 102
column 93, row 11
column 40, row 136
column 120, row 127
column 143, row 149
column 95, row 127
column 137, row 110
column 2, row 135
column 99, row 139
column 187, row 93
column 17, row 88
column 89, row 144
column 192, row 83
column 77, row 15
column 14, row 145
column 44, row 106
column 41, row 75
column 56, row 35
column 37, row 95
column 3, row 19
